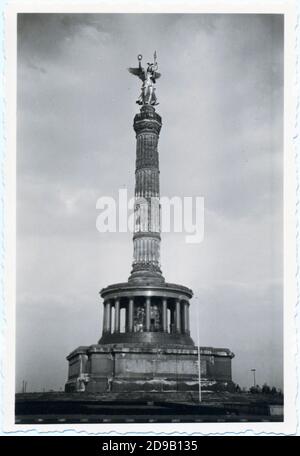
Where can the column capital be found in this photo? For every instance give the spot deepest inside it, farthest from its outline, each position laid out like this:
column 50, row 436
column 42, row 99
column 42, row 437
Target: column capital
column 147, row 119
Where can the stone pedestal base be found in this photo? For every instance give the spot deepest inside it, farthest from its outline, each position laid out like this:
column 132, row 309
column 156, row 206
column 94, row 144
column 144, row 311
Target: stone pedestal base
column 117, row 368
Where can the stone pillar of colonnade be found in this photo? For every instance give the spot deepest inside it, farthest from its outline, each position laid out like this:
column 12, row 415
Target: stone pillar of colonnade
column 164, row 315
column 108, row 316
column 117, row 315
column 179, row 315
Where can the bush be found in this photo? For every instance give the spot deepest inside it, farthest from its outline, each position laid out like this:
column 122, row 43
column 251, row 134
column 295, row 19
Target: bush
column 237, row 388
column 266, row 389
column 255, row 389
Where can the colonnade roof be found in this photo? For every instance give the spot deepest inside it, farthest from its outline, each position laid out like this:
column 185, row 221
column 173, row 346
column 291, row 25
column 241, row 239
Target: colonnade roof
column 126, row 289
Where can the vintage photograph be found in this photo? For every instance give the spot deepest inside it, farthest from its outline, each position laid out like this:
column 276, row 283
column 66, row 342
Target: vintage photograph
column 149, row 218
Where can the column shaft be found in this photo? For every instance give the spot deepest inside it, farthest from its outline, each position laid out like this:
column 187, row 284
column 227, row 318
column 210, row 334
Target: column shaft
column 148, row 305
column 104, row 317
column 147, row 125
column 178, row 325
column 185, row 325
column 164, row 315
column 126, row 318
column 130, row 316
column 117, row 315
column 108, row 317
column 172, row 319
column 188, row 317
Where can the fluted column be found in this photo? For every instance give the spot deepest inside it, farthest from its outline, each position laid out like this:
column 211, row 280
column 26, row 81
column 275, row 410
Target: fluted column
column 117, row 315
column 146, row 238
column 164, row 315
column 177, row 316
column 130, row 314
column 148, row 308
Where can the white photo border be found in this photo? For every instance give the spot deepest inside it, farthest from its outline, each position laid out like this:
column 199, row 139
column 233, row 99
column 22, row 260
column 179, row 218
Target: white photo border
column 289, row 425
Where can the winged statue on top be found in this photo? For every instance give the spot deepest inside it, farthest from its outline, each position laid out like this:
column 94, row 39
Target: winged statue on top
column 149, row 76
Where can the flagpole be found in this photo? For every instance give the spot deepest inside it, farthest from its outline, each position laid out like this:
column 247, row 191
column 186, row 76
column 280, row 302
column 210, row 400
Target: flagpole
column 199, row 357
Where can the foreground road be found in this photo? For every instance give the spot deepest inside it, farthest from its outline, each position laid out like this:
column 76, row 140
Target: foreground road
column 47, row 409
column 72, row 419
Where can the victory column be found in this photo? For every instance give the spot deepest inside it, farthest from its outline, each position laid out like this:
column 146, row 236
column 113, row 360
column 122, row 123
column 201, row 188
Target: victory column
column 145, row 343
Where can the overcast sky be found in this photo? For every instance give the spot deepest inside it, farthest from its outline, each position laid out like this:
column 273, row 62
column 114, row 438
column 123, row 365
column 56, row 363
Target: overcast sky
column 221, row 102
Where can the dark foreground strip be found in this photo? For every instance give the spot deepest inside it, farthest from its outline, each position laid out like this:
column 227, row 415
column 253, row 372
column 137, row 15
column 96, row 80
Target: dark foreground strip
column 120, row 420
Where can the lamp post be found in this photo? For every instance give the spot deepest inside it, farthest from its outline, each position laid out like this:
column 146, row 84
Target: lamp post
column 254, row 380
column 199, row 358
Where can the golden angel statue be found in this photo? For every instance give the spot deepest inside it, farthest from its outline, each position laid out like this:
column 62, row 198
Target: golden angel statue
column 148, row 76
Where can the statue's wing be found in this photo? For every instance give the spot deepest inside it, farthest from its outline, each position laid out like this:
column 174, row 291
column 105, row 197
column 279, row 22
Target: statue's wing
column 137, row 72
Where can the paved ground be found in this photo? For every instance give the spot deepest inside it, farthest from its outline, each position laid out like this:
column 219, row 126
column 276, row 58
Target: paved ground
column 72, row 419
column 38, row 409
